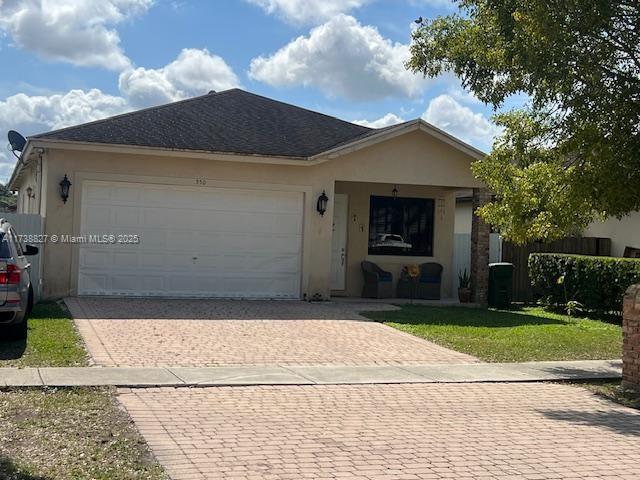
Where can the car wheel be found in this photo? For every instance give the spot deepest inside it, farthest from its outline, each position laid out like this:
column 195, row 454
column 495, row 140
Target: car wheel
column 18, row 331
column 29, row 302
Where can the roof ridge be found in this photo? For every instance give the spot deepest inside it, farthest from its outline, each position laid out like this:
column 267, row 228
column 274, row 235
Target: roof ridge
column 273, row 100
column 133, row 112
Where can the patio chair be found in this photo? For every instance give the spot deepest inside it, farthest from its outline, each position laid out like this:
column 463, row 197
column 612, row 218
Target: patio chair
column 429, row 281
column 377, row 282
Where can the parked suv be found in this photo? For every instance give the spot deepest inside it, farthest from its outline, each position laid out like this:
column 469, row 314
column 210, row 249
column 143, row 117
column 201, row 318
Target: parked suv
column 16, row 292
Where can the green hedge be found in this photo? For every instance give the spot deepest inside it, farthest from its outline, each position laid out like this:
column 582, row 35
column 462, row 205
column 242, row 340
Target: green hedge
column 598, row 283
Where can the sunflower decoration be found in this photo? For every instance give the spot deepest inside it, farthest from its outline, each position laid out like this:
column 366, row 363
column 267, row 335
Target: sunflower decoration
column 413, row 271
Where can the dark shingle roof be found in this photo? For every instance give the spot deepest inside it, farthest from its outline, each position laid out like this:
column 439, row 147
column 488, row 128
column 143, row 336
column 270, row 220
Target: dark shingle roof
column 232, row 121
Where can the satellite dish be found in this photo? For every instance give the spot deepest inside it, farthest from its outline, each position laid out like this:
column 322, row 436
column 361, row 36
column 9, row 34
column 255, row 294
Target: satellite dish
column 16, row 141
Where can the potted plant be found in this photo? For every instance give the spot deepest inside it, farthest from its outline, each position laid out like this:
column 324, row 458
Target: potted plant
column 464, row 290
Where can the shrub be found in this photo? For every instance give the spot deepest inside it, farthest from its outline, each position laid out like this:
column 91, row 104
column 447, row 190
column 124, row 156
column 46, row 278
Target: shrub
column 595, row 283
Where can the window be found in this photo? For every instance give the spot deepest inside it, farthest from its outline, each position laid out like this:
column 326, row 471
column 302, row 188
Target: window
column 401, row 226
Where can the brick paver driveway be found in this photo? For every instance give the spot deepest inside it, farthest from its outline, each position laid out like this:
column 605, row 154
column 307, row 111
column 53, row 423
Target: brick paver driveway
column 156, row 332
column 392, row 432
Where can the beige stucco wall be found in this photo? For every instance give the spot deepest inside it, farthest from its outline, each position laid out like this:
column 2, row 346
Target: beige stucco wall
column 358, row 232
column 24, row 204
column 623, row 233
column 413, row 159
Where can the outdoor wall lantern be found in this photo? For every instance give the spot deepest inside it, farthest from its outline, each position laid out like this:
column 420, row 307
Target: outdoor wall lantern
column 321, row 206
column 65, row 184
column 394, row 192
column 30, row 192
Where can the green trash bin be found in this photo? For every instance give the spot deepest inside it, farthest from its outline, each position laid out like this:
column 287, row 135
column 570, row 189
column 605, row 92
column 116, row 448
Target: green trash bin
column 500, row 284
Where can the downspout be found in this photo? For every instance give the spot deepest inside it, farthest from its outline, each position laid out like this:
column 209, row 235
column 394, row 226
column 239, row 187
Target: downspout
column 40, row 180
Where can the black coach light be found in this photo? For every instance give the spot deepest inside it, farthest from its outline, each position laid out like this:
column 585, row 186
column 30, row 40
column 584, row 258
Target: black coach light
column 65, row 184
column 322, row 203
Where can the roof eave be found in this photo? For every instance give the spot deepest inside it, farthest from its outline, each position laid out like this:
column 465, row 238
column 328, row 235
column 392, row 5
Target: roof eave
column 169, row 152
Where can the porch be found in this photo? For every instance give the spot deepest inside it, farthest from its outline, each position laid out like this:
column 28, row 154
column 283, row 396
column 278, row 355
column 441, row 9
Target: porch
column 420, row 219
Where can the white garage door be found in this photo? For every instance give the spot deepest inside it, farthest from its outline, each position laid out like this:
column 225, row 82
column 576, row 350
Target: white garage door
column 202, row 242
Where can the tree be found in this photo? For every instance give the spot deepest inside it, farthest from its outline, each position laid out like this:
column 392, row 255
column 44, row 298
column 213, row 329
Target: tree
column 6, row 195
column 572, row 153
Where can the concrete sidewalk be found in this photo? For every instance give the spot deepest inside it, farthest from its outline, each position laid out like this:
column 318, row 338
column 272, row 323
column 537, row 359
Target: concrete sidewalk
column 309, row 375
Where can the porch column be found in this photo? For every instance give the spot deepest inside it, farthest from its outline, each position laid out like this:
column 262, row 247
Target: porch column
column 631, row 338
column 480, row 232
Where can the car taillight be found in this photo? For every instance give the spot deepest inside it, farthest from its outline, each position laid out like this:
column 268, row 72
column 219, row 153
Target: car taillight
column 10, row 276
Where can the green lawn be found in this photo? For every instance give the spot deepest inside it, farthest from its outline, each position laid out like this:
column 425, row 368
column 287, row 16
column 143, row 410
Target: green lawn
column 522, row 335
column 52, row 341
column 71, row 434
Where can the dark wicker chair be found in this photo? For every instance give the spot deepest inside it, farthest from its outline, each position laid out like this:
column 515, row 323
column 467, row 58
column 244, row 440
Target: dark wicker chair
column 429, row 281
column 377, row 282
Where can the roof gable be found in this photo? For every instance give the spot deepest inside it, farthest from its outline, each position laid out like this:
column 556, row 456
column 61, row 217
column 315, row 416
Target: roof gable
column 383, row 134
column 232, row 121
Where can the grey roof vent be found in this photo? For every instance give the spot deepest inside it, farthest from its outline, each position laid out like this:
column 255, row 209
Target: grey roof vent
column 211, row 92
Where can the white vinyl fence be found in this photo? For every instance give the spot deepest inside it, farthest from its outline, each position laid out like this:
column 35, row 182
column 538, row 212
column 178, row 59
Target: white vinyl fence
column 462, row 253
column 29, row 224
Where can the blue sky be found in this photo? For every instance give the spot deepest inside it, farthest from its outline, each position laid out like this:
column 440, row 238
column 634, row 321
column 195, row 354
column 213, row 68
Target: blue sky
column 71, row 61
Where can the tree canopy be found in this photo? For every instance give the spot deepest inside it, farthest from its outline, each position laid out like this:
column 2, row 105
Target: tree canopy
column 572, row 153
column 6, row 195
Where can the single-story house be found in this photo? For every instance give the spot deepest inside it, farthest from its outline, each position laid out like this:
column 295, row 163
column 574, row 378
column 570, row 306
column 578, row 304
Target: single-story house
column 223, row 195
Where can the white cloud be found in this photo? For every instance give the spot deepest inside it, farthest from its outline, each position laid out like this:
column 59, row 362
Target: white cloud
column 463, row 96
column 38, row 113
column 443, row 4
column 342, row 58
column 194, row 72
column 308, row 12
column 80, row 32
column 301, row 12
column 385, row 121
column 446, row 113
column 60, row 110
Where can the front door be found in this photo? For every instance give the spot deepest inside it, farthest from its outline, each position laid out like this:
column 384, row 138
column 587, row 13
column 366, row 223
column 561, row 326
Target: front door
column 339, row 243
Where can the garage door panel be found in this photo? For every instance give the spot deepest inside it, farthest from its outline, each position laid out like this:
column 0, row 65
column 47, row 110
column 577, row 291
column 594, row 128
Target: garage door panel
column 125, row 194
column 278, row 244
column 124, row 283
column 212, row 263
column 125, row 216
column 287, row 264
column 97, row 192
column 100, row 216
column 206, row 242
column 125, row 259
column 193, row 242
column 153, row 240
column 177, row 238
column 153, row 283
column 153, row 216
column 157, row 196
column 94, row 258
column 93, row 281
